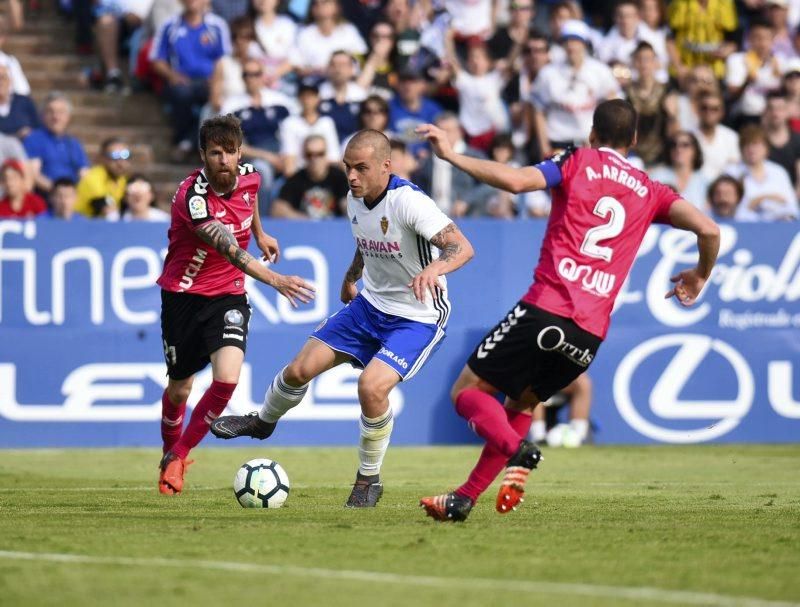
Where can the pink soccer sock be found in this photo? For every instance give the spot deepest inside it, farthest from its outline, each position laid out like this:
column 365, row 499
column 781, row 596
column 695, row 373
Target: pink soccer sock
column 207, row 410
column 171, row 421
column 488, row 420
column 491, row 461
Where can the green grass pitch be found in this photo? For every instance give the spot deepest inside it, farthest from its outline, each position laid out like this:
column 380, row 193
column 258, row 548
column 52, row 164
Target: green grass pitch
column 701, row 525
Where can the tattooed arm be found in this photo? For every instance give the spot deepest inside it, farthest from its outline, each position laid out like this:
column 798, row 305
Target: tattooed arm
column 349, row 288
column 218, row 236
column 455, row 249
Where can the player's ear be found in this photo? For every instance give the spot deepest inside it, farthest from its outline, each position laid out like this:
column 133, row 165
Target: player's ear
column 635, row 139
column 592, row 137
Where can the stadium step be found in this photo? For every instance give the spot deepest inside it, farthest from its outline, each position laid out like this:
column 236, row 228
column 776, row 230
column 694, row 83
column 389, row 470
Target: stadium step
column 46, row 49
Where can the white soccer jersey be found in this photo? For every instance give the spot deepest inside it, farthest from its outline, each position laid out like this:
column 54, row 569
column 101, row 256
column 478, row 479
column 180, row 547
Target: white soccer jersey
column 394, row 239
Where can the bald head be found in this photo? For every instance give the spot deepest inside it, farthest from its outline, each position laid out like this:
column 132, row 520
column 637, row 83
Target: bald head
column 368, row 164
column 369, row 138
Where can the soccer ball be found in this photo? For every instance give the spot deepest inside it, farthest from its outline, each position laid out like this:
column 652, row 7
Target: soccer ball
column 261, row 483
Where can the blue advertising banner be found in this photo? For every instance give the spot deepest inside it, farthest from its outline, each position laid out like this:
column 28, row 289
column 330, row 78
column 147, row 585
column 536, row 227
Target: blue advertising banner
column 81, row 360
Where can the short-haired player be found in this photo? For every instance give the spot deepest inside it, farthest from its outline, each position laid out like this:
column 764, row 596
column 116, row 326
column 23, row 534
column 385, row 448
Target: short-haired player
column 404, row 247
column 602, row 207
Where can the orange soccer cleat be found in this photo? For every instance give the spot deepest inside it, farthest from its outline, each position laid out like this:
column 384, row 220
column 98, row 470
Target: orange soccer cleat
column 447, row 507
column 170, row 480
column 518, row 468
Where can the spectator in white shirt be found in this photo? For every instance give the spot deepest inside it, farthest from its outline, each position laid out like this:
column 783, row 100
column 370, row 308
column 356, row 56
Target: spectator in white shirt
column 276, row 34
column 327, row 33
column 621, row 40
column 719, row 143
column 471, row 18
column 768, row 192
column 19, row 83
column 700, row 80
column 654, row 23
column 565, row 95
column 294, row 130
column 778, row 16
column 750, row 74
column 139, row 201
column 681, row 170
column 481, row 111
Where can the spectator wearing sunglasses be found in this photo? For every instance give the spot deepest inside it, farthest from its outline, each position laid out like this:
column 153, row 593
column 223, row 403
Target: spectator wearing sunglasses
column 720, row 144
column 100, row 191
column 317, row 191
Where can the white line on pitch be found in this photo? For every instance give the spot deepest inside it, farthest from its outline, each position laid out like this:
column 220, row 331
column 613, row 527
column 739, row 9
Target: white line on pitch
column 587, row 590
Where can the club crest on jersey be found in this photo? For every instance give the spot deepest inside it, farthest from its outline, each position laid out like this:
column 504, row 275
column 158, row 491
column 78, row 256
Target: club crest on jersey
column 198, row 208
column 246, row 197
column 384, row 225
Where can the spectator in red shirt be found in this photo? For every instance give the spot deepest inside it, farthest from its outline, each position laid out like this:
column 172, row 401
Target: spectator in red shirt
column 19, row 201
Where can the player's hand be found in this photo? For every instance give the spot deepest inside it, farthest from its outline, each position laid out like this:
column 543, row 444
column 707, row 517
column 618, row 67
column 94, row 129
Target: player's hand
column 688, row 285
column 294, row 289
column 426, row 282
column 269, row 247
column 349, row 292
column 437, row 138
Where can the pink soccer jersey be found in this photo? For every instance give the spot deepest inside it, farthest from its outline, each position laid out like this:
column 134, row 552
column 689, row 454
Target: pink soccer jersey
column 192, row 266
column 600, row 213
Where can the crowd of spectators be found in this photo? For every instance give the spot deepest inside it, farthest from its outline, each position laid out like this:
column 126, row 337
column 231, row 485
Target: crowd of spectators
column 716, row 84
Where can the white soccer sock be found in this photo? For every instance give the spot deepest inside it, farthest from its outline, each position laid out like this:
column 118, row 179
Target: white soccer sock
column 374, row 440
column 581, row 427
column 538, row 430
column 280, row 397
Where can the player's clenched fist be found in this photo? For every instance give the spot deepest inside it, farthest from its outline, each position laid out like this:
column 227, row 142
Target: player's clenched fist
column 294, row 288
column 437, row 138
column 426, row 282
column 269, row 247
column 349, row 292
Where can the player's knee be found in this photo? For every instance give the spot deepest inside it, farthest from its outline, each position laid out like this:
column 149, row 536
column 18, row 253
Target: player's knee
column 371, row 394
column 179, row 393
column 298, row 373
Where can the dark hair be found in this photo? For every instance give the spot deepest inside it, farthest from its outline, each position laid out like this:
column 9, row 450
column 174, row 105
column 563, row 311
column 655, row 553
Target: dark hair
column 241, row 24
column 537, row 34
column 500, row 140
column 614, row 123
column 221, row 130
column 759, row 22
column 397, row 145
column 776, row 94
column 643, row 46
column 64, row 182
column 698, row 151
column 752, row 133
column 726, row 179
column 373, row 100
column 133, row 179
column 632, row 3
column 107, row 143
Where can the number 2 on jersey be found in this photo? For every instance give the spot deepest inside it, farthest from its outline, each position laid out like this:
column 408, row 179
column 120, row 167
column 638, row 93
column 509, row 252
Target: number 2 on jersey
column 605, row 207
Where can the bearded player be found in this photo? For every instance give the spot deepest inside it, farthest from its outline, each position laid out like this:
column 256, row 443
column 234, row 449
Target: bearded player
column 204, row 309
column 602, row 207
column 392, row 326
